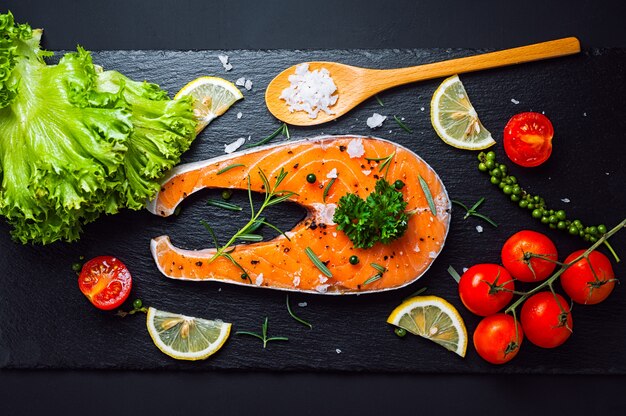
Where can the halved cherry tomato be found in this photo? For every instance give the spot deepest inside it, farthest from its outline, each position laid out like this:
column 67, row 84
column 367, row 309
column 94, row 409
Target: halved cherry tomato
column 516, row 256
column 498, row 338
column 588, row 282
column 546, row 319
column 105, row 281
column 486, row 288
column 528, row 139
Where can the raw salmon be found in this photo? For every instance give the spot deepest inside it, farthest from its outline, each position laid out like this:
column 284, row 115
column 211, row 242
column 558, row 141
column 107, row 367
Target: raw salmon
column 282, row 263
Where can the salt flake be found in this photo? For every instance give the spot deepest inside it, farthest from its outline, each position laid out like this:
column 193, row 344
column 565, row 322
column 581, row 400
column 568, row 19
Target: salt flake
column 302, row 304
column 566, row 200
column 479, row 228
column 248, row 85
column 514, row 101
column 230, row 148
column 332, row 174
column 376, row 120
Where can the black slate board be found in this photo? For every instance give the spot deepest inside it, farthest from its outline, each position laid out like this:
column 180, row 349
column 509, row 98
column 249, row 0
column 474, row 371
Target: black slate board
column 46, row 323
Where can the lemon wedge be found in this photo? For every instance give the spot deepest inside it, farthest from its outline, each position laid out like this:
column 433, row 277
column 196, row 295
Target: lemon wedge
column 212, row 97
column 454, row 118
column 185, row 337
column 433, row 318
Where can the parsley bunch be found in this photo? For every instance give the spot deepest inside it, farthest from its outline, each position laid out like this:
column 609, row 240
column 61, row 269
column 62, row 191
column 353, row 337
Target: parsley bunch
column 380, row 217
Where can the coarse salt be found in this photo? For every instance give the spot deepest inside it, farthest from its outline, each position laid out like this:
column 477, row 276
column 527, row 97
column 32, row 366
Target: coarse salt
column 376, row 120
column 338, row 351
column 239, row 114
column 296, row 280
column 302, row 304
column 332, row 174
column 465, row 269
column 240, row 81
column 366, row 172
column 514, row 101
column 259, row 279
column 355, row 148
column 566, row 200
column 224, row 60
column 432, row 254
column 479, row 228
column 422, row 108
column 321, row 288
column 230, row 148
column 248, row 85
column 310, row 91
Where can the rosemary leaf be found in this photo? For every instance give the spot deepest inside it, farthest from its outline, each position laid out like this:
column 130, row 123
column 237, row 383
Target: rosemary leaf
column 275, row 229
column 317, row 262
column 332, row 181
column 380, row 102
column 255, row 238
column 378, row 267
column 429, row 196
column 278, row 131
column 227, row 168
column 255, row 225
column 372, row 279
column 210, row 230
column 454, row 274
column 416, row 293
column 293, row 315
column 402, row 125
column 225, row 205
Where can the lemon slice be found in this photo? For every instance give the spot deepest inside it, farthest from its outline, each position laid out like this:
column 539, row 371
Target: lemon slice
column 212, row 97
column 433, row 318
column 455, row 119
column 185, row 337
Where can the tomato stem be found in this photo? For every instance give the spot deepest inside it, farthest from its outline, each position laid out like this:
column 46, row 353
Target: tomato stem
column 565, row 266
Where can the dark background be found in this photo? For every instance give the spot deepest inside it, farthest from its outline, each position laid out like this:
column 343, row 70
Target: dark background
column 364, row 24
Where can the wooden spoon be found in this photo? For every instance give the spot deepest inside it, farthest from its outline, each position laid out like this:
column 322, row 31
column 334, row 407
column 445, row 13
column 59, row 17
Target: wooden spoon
column 354, row 85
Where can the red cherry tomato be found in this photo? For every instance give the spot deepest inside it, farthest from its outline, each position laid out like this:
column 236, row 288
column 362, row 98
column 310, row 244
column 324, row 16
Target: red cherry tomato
column 486, row 288
column 105, row 281
column 528, row 139
column 582, row 285
column 546, row 323
column 496, row 339
column 529, row 269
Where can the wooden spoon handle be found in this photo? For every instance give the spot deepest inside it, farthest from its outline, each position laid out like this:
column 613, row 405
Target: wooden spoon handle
column 383, row 79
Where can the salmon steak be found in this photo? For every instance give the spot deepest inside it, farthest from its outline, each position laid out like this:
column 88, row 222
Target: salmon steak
column 285, row 262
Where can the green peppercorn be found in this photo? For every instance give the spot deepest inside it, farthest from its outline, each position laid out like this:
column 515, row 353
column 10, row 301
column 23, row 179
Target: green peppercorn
column 501, row 185
column 593, row 230
column 490, row 164
column 137, row 304
column 482, row 167
column 496, row 173
column 515, row 198
column 494, row 180
column 517, row 190
column 507, row 190
column 553, row 226
column 553, row 219
column 491, row 155
column 398, row 184
column 560, row 214
column 244, row 276
column 523, row 203
column 226, row 194
column 502, row 168
column 561, row 225
column 537, row 213
column 401, row 332
column 77, row 267
column 311, row 178
column 531, row 206
column 513, row 179
column 602, row 229
column 593, row 239
column 545, row 220
column 354, row 260
column 572, row 229
column 578, row 224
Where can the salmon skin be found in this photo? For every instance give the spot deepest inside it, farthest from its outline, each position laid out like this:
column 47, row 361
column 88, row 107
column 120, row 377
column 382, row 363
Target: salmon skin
column 283, row 263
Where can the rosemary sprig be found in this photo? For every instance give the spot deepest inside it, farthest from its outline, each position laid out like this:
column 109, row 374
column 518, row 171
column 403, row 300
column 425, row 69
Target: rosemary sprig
column 244, row 273
column 378, row 267
column 380, row 102
column 416, row 293
column 263, row 336
column 317, row 262
column 472, row 211
column 293, row 315
column 225, row 205
column 402, row 125
column 283, row 129
column 229, row 167
column 428, row 195
column 385, row 162
column 273, row 196
column 327, row 189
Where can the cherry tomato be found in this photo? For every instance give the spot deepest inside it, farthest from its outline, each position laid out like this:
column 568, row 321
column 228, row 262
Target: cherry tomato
column 528, row 139
column 105, row 281
column 486, row 288
column 516, row 259
column 582, row 285
column 546, row 323
column 498, row 338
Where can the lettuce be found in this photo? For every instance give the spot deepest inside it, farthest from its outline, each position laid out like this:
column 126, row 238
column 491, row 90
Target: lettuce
column 77, row 142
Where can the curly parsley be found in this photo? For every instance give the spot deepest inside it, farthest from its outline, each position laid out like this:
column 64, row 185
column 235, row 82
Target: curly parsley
column 380, row 217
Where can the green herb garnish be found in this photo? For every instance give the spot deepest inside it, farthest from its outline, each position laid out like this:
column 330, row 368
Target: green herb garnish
column 225, row 205
column 380, row 269
column 380, row 102
column 327, row 189
column 317, row 262
column 229, row 167
column 472, row 211
column 429, row 196
column 455, row 275
column 416, row 293
column 385, row 162
column 293, row 315
column 283, row 129
column 380, row 217
column 273, row 196
column 263, row 336
column 402, row 125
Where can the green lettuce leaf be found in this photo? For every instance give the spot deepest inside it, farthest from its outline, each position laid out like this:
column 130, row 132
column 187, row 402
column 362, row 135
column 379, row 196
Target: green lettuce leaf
column 77, row 142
